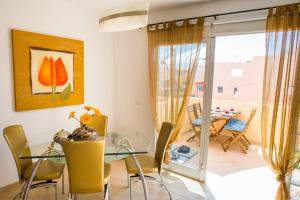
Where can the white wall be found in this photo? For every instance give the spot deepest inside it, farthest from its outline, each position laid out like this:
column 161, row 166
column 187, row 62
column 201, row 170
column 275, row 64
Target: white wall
column 132, row 110
column 64, row 19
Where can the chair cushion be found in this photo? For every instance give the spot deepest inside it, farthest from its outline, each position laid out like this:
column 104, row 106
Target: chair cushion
column 106, row 172
column 48, row 170
column 235, row 125
column 147, row 163
column 197, row 122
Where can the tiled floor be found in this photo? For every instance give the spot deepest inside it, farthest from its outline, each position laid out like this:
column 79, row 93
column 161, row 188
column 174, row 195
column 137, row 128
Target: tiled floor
column 181, row 188
column 233, row 175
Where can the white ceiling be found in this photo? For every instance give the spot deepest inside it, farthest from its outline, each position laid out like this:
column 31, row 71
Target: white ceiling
column 103, row 5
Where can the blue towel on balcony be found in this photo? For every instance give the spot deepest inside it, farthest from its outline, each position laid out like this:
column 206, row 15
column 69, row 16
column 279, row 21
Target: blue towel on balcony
column 235, row 125
column 197, row 122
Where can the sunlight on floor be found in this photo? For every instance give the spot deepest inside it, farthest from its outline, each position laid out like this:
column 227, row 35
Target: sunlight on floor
column 233, row 175
column 191, row 185
column 258, row 183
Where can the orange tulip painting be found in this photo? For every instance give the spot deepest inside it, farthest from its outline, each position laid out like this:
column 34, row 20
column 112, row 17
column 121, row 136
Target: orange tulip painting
column 52, row 72
column 48, row 70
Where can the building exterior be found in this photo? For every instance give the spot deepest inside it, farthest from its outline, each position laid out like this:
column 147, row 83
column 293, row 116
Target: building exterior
column 236, row 81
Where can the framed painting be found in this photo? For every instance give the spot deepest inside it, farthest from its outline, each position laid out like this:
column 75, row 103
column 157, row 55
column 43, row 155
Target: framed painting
column 48, row 71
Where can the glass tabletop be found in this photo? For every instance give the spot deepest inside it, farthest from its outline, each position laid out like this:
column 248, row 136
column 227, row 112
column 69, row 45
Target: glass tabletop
column 115, row 147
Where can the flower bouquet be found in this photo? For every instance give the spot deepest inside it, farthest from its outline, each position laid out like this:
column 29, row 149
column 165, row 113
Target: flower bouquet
column 84, row 132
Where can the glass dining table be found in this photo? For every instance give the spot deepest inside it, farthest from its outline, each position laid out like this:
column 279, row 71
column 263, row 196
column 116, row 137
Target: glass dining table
column 117, row 146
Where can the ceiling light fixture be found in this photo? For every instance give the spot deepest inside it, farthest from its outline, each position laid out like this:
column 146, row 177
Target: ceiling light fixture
column 123, row 19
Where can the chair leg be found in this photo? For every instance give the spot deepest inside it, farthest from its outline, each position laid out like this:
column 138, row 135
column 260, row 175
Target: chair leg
column 56, row 194
column 20, row 194
column 244, row 143
column 247, row 141
column 63, row 183
column 130, row 192
column 242, row 147
column 221, row 143
column 234, row 140
column 238, row 138
column 128, row 177
column 196, row 134
column 71, row 196
column 107, row 191
column 162, row 181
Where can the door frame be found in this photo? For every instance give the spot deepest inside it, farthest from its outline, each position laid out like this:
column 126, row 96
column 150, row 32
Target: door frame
column 214, row 28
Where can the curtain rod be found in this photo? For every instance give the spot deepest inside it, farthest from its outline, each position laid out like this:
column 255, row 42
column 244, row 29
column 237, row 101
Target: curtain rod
column 216, row 15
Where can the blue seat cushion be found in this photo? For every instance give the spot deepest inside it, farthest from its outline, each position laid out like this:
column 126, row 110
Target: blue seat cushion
column 235, row 125
column 197, row 122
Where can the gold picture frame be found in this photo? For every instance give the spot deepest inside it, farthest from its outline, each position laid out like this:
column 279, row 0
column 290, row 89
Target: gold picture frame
column 48, row 71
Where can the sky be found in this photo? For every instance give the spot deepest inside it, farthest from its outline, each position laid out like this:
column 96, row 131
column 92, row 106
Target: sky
column 239, row 48
column 235, row 48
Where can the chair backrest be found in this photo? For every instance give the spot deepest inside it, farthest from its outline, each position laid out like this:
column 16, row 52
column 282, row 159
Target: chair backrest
column 162, row 142
column 99, row 123
column 85, row 161
column 252, row 114
column 16, row 140
column 194, row 111
column 197, row 109
column 190, row 111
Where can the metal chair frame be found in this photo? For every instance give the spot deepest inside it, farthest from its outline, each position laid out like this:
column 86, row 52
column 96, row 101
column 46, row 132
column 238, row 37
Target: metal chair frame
column 130, row 177
column 23, row 194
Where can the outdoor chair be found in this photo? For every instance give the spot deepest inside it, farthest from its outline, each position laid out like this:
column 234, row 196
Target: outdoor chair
column 194, row 114
column 238, row 128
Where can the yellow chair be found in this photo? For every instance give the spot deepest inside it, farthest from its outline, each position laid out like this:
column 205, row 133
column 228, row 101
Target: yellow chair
column 150, row 164
column 99, row 123
column 46, row 172
column 87, row 171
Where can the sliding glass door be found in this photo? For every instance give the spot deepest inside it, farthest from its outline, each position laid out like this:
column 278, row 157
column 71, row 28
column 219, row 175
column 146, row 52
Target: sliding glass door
column 189, row 152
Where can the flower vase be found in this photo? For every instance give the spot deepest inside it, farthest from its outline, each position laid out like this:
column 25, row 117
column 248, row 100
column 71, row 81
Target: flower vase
column 84, row 132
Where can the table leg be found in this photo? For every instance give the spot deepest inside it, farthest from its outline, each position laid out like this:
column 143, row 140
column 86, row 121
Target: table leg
column 129, row 147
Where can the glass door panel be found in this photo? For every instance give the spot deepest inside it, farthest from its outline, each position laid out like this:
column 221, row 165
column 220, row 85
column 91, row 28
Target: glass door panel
column 187, row 153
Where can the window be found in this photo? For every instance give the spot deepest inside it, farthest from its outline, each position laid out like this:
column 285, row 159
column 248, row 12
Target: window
column 235, row 91
column 220, row 89
column 237, row 72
